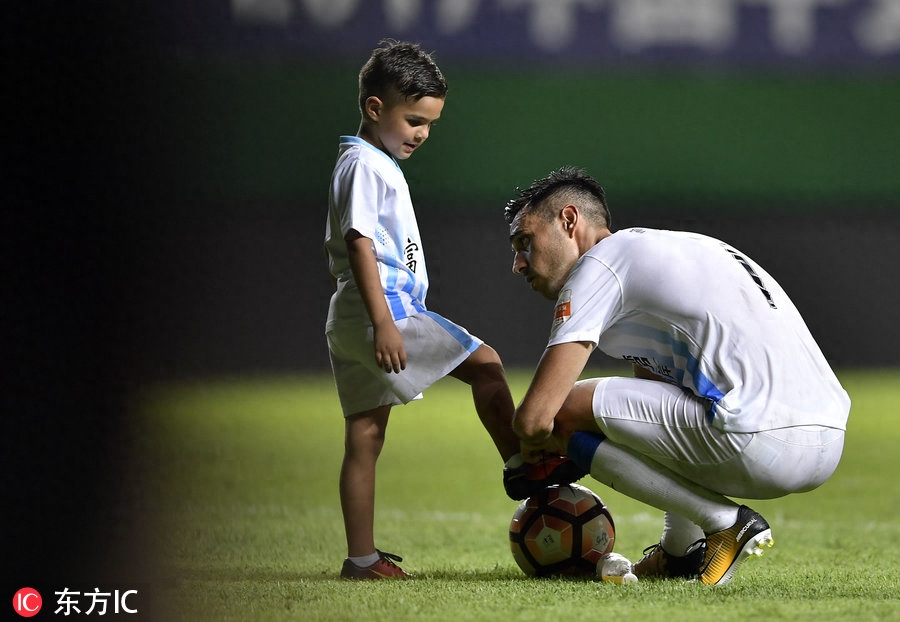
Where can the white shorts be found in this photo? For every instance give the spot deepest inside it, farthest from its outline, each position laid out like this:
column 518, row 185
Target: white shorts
column 434, row 346
column 671, row 426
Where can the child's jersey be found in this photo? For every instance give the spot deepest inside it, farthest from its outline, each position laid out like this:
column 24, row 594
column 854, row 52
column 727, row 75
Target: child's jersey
column 703, row 315
column 369, row 194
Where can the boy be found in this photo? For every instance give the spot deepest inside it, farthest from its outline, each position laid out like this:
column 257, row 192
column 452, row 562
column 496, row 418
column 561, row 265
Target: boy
column 385, row 347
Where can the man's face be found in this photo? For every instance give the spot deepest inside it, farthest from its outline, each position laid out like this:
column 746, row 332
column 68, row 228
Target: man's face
column 544, row 252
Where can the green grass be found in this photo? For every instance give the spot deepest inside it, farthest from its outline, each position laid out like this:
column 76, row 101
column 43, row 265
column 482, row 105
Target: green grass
column 246, row 524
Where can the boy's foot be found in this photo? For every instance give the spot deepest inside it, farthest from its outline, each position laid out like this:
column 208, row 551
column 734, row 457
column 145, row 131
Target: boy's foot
column 657, row 563
column 727, row 549
column 527, row 480
column 384, row 568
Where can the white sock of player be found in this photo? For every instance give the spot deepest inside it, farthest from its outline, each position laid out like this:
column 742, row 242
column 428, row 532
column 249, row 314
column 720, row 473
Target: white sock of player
column 647, row 481
column 366, row 560
column 679, row 534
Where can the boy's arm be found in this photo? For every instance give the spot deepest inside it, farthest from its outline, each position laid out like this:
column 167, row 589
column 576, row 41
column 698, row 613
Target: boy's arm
column 389, row 351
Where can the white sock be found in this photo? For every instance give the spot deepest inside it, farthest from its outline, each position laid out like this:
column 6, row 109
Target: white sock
column 366, row 560
column 679, row 534
column 514, row 462
column 647, row 481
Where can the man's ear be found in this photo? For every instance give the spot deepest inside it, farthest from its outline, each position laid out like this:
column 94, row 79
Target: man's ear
column 569, row 216
column 373, row 108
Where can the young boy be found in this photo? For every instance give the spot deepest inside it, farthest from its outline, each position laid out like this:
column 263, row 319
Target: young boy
column 385, row 347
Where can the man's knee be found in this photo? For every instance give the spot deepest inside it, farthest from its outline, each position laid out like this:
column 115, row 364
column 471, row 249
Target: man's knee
column 579, row 404
column 577, row 412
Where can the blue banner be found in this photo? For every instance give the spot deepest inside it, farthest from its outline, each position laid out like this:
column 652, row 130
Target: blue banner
column 615, row 33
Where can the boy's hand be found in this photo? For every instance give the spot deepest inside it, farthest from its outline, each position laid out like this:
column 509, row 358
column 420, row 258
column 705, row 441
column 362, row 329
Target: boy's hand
column 390, row 355
column 389, row 351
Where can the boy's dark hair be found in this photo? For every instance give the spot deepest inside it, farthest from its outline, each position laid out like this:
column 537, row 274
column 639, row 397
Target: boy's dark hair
column 572, row 185
column 402, row 67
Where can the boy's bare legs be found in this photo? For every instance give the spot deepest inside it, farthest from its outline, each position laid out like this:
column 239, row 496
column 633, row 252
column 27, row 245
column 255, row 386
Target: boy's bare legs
column 483, row 371
column 363, row 440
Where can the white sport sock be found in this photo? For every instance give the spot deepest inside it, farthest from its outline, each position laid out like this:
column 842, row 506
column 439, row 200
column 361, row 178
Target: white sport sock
column 514, row 462
column 366, row 560
column 679, row 534
column 651, row 483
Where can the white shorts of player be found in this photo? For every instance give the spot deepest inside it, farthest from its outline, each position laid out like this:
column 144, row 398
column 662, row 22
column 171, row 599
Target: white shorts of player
column 434, row 346
column 670, row 426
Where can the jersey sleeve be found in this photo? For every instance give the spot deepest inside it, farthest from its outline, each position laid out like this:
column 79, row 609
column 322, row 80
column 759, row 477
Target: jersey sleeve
column 587, row 304
column 359, row 189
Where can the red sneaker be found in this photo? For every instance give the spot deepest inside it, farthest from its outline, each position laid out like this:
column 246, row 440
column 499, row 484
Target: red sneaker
column 384, row 568
column 527, row 480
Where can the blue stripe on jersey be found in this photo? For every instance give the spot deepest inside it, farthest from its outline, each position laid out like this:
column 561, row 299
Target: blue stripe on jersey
column 462, row 337
column 393, row 297
column 395, row 302
column 704, row 386
column 411, row 285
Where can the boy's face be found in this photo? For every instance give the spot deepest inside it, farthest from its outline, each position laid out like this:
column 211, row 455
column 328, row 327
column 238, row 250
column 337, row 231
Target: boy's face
column 399, row 126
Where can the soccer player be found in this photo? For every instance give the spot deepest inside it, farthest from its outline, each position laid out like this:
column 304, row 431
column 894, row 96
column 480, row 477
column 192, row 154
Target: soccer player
column 385, row 346
column 731, row 395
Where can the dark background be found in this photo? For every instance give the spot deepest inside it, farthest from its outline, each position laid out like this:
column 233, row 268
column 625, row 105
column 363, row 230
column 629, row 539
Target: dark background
column 166, row 197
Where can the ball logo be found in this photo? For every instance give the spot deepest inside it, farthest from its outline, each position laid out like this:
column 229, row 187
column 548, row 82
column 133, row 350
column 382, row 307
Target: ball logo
column 27, row 602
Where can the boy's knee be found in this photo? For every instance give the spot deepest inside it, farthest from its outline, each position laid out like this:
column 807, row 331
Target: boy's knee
column 488, row 356
column 483, row 365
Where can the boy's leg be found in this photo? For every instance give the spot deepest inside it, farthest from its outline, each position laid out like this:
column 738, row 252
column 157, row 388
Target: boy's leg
column 483, row 371
column 363, row 440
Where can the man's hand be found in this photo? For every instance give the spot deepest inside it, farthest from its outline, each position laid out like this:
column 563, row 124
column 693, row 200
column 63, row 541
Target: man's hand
column 533, row 452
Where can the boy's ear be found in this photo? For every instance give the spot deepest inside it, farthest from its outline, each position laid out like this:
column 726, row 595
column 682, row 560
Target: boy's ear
column 373, row 108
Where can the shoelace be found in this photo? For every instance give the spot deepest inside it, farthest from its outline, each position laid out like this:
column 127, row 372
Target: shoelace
column 696, row 545
column 389, row 558
column 650, row 549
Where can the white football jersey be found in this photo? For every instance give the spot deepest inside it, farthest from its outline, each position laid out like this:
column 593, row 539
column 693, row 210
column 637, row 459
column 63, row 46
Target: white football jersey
column 703, row 315
column 369, row 194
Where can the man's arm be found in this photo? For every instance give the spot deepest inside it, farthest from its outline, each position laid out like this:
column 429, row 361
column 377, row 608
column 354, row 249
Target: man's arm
column 555, row 376
column 389, row 351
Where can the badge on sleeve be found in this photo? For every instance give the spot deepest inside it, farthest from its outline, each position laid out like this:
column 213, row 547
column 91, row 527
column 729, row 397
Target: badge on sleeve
column 563, row 308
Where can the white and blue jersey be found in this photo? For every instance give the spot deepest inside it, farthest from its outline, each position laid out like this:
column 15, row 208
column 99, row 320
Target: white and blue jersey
column 369, row 194
column 704, row 316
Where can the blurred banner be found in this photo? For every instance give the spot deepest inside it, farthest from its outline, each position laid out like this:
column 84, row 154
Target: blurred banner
column 734, row 33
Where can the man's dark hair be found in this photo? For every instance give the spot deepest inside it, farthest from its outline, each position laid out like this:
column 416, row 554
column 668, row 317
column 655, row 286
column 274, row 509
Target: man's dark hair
column 403, row 68
column 569, row 184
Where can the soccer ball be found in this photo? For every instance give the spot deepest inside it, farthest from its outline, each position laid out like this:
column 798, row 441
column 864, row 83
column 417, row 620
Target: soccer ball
column 565, row 530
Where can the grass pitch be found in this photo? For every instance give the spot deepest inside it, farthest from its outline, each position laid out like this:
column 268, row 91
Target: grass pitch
column 246, row 524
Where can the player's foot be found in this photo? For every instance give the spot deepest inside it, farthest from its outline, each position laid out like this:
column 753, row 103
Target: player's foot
column 657, row 563
column 527, row 480
column 727, row 549
column 384, row 568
